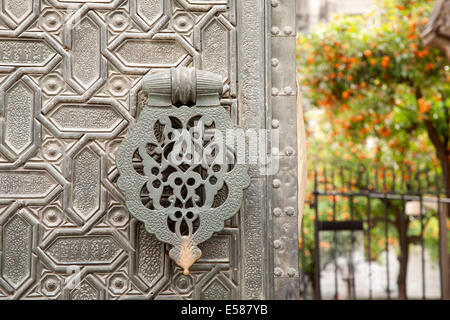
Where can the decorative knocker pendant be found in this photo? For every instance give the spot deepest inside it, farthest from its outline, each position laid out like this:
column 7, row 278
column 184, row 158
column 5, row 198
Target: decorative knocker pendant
column 184, row 166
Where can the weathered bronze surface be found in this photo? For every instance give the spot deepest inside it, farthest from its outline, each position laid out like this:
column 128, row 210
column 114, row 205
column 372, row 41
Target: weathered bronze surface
column 70, row 90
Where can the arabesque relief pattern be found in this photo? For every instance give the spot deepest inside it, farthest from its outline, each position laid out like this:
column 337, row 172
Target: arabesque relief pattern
column 70, row 86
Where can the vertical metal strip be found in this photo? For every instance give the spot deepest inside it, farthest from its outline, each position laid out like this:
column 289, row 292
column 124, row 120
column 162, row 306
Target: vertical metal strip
column 281, row 116
column 270, row 291
column 251, row 115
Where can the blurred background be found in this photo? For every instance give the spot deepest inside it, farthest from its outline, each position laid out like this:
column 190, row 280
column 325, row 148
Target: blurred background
column 374, row 78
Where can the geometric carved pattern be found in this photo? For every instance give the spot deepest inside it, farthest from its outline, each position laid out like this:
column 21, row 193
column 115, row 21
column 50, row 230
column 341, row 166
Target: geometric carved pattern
column 19, row 112
column 86, row 52
column 150, row 255
column 216, row 249
column 214, row 52
column 25, row 184
column 83, row 250
column 164, row 53
column 25, row 52
column 85, row 291
column 86, row 183
column 89, row 118
column 70, row 85
column 216, row 291
column 16, row 265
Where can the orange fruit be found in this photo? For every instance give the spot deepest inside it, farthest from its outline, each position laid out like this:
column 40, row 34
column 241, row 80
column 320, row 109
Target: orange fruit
column 345, row 95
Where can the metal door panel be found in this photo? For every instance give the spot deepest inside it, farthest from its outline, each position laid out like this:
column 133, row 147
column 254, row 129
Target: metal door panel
column 70, row 87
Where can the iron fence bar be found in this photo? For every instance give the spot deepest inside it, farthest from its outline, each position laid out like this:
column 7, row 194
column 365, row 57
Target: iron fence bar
column 317, row 293
column 369, row 251
column 409, row 188
column 402, row 183
column 376, row 178
column 360, row 171
column 336, row 289
column 393, row 180
column 410, row 185
column 422, row 247
column 350, row 180
column 403, row 235
column 428, row 178
column 302, row 257
column 436, row 182
column 443, row 250
column 443, row 243
column 387, row 196
column 417, row 179
column 340, row 225
column 351, row 253
column 441, row 274
column 386, row 244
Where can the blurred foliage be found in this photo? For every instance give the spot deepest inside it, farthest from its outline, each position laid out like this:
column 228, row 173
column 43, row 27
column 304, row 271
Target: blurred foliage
column 376, row 83
column 374, row 92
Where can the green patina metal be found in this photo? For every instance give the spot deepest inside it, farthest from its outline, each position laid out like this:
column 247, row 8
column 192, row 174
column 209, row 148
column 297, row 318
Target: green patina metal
column 180, row 174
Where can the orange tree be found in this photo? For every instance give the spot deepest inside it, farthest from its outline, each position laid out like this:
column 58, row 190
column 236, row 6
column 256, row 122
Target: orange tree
column 377, row 83
column 383, row 96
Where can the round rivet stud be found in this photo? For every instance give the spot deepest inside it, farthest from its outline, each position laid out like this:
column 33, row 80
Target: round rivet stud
column 183, row 283
column 118, row 85
column 52, row 84
column 118, row 216
column 182, row 22
column 118, row 284
column 290, row 211
column 291, row 272
column 277, row 244
column 278, row 272
column 275, row 31
column 50, row 285
column 276, row 183
column 275, row 123
column 275, row 62
column 289, row 151
column 52, row 150
column 277, row 212
column 287, row 30
column 50, row 21
column 288, row 91
column 274, row 91
column 119, row 21
column 275, row 3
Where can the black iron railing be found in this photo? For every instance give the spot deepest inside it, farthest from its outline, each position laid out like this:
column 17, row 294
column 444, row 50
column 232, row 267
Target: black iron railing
column 390, row 211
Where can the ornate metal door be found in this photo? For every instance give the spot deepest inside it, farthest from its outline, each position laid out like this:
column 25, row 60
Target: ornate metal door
column 71, row 87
